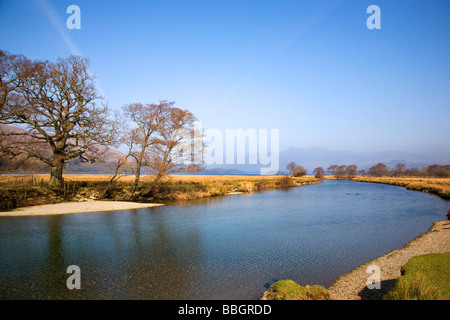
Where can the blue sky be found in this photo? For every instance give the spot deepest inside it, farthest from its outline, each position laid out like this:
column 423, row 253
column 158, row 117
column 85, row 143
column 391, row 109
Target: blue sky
column 311, row 69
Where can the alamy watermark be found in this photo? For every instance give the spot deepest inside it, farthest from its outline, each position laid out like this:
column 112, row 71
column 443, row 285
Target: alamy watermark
column 374, row 280
column 374, row 21
column 232, row 146
column 74, row 20
column 74, row 280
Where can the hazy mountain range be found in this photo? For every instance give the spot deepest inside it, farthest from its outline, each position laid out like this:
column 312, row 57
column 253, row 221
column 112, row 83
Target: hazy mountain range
column 308, row 158
column 321, row 157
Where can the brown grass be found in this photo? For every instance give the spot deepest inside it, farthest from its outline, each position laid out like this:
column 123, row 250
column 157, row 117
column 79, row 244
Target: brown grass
column 32, row 189
column 437, row 186
column 34, row 179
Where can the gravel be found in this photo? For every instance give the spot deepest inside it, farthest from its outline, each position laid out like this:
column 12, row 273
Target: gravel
column 353, row 286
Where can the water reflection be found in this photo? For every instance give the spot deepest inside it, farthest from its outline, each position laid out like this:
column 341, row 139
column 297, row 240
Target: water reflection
column 54, row 273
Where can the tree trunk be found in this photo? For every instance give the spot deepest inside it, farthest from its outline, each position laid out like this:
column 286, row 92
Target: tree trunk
column 56, row 173
column 114, row 177
column 156, row 180
column 136, row 178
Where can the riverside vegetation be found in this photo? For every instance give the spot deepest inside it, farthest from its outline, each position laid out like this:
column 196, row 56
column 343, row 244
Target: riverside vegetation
column 424, row 277
column 27, row 190
column 289, row 290
column 437, row 186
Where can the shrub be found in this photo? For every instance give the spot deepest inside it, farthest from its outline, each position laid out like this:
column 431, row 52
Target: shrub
column 285, row 181
column 7, row 202
column 260, row 185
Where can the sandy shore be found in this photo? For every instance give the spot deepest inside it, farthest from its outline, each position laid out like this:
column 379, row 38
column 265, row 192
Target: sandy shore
column 352, row 286
column 76, row 207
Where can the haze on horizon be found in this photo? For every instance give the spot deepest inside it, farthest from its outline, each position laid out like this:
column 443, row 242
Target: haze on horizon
column 311, row 69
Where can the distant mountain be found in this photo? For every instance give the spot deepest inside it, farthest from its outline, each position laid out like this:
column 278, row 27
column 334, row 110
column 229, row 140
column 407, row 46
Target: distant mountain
column 321, row 157
column 223, row 171
column 308, row 158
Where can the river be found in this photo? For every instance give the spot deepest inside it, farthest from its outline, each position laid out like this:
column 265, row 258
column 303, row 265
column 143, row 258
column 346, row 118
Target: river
column 231, row 247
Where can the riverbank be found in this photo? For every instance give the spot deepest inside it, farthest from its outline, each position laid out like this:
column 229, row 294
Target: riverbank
column 437, row 186
column 352, row 285
column 20, row 191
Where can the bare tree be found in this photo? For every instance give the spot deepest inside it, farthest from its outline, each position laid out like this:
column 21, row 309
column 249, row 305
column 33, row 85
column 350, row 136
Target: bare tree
column 290, row 167
column 57, row 107
column 332, row 169
column 296, row 170
column 163, row 140
column 179, row 148
column 379, row 170
column 319, row 172
column 7, row 75
column 399, row 169
column 122, row 162
column 148, row 120
column 352, row 171
column 340, row 172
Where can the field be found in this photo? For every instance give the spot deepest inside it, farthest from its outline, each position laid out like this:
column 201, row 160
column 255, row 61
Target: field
column 437, row 186
column 42, row 179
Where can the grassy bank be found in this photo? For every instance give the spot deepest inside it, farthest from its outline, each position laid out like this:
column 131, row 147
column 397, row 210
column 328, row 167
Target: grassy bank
column 437, row 186
column 289, row 290
column 424, row 277
column 27, row 190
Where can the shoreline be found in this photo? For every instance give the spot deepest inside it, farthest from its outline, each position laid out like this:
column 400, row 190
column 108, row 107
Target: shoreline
column 72, row 207
column 29, row 191
column 352, row 285
column 33, row 200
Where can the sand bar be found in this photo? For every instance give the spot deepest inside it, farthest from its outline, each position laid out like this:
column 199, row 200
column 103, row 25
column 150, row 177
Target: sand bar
column 76, row 207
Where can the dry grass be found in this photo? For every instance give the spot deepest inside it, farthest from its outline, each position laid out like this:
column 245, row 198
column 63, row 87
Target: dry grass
column 415, row 289
column 27, row 179
column 26, row 190
column 437, row 186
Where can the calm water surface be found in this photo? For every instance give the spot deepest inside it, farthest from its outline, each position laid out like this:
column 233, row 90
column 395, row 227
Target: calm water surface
column 216, row 248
